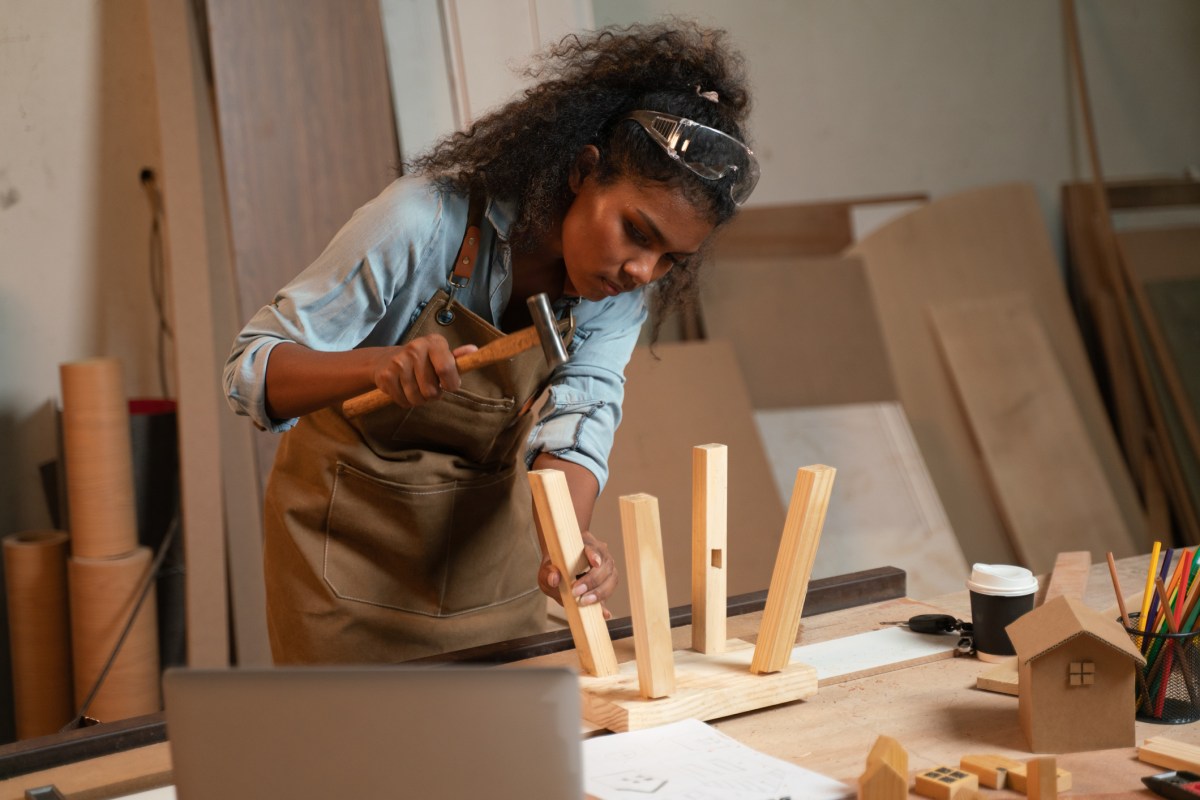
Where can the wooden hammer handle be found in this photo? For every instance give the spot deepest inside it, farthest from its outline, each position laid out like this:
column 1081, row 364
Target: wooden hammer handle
column 493, row 352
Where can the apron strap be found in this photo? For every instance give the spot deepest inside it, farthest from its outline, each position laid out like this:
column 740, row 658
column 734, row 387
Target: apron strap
column 468, row 252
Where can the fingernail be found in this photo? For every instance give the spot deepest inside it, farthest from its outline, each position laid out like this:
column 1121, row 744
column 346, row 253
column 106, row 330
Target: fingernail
column 587, row 601
column 580, row 589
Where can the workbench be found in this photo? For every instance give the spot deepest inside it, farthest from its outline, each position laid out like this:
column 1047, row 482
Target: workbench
column 932, row 709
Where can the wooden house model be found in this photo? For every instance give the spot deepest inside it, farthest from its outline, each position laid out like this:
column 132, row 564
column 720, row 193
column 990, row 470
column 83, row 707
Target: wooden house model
column 1076, row 671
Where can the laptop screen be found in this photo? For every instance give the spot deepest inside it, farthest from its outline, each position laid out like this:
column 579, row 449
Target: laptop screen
column 374, row 732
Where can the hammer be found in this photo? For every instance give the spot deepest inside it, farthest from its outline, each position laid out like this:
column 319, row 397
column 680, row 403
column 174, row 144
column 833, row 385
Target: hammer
column 543, row 331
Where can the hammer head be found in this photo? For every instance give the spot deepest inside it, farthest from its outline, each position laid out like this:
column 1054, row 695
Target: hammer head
column 547, row 329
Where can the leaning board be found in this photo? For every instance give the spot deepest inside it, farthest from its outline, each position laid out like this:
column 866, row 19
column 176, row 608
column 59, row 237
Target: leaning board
column 976, row 244
column 1047, row 478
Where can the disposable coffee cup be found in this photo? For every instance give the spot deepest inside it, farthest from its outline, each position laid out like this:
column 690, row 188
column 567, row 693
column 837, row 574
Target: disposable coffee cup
column 1000, row 593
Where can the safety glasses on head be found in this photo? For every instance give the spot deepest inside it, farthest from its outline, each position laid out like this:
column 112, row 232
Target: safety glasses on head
column 705, row 151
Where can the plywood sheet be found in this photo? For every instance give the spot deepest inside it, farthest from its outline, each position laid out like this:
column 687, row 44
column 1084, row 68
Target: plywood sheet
column 1043, row 467
column 306, row 133
column 804, row 329
column 691, row 394
column 884, row 510
column 976, row 244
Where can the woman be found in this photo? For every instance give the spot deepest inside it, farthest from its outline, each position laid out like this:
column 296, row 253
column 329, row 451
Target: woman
column 409, row 531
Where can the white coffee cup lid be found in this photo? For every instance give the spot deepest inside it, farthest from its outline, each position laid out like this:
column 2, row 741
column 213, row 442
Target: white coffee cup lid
column 1001, row 580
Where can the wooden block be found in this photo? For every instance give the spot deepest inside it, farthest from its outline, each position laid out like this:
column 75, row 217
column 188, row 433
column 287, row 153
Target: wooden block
column 889, row 751
column 1001, row 678
column 1070, row 575
column 706, row 687
column 1170, row 754
column 945, row 783
column 560, row 528
column 1042, row 783
column 793, row 567
column 1018, row 779
column 710, row 512
column 1044, row 468
column 991, row 769
column 881, row 781
column 648, row 595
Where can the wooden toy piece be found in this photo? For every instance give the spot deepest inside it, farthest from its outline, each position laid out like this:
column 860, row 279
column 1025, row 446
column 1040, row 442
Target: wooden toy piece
column 648, row 595
column 945, row 783
column 882, row 782
column 793, row 567
column 992, row 769
column 1043, row 778
column 710, row 473
column 1170, row 754
column 1074, row 663
column 1070, row 575
column 1018, row 778
column 560, row 529
column 886, row 775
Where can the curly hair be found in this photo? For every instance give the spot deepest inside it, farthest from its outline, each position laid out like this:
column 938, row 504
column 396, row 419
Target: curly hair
column 586, row 85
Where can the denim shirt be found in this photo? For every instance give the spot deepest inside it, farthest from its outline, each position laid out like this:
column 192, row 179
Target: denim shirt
column 381, row 269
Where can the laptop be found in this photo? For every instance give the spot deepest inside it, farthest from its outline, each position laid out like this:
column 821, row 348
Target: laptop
column 315, row 733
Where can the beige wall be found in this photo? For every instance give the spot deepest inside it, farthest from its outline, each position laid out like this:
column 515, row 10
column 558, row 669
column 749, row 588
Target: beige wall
column 77, row 125
column 856, row 97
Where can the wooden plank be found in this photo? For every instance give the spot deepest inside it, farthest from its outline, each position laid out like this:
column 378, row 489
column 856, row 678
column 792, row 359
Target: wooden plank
column 976, row 244
column 1070, row 575
column 793, row 568
column 1000, row 678
column 862, row 655
column 884, row 508
column 710, row 538
column 182, row 96
column 560, row 530
column 1046, row 474
column 648, row 595
column 307, row 133
column 707, row 687
column 816, row 339
column 653, row 454
column 1168, row 753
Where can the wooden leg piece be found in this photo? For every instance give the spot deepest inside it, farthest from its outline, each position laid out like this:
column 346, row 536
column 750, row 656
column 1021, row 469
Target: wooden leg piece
column 710, row 472
column 1043, row 778
column 793, row 567
column 648, row 595
column 560, row 528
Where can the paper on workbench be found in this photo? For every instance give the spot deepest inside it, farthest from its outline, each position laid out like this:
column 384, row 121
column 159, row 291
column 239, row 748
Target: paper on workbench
column 690, row 760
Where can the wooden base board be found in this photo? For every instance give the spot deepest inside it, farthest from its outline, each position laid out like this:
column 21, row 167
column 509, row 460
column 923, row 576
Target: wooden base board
column 706, row 687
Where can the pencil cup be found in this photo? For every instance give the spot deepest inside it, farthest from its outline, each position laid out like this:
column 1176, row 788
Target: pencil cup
column 1000, row 593
column 1169, row 691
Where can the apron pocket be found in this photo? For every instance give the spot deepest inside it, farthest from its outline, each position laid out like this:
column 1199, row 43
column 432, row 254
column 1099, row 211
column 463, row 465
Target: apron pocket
column 461, row 422
column 439, row 549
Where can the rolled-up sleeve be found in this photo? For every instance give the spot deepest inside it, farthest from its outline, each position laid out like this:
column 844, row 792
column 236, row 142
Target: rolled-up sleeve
column 339, row 300
column 580, row 417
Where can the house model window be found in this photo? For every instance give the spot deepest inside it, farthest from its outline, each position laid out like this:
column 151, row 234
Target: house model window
column 1083, row 673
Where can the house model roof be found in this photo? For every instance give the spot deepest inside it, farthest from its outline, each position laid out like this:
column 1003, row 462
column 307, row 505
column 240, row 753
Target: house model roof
column 1061, row 620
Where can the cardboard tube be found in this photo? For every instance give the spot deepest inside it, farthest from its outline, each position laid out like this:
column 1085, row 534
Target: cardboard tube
column 35, row 573
column 103, row 593
column 99, row 460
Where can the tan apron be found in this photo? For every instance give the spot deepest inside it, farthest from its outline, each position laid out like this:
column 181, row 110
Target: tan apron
column 408, row 532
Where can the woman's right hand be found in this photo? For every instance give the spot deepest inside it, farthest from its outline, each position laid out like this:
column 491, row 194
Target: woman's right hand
column 417, row 372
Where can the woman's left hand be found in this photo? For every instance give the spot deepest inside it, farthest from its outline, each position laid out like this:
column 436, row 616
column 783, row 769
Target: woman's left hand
column 593, row 586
